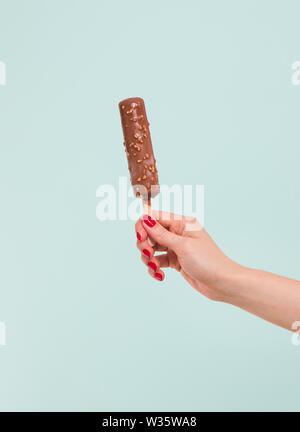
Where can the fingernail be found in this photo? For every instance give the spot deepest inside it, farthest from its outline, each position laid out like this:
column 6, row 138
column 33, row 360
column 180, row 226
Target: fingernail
column 152, row 265
column 146, row 252
column 139, row 237
column 158, row 276
column 152, row 220
column 149, row 221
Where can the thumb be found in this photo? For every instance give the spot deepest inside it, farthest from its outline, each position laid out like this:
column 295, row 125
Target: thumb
column 160, row 234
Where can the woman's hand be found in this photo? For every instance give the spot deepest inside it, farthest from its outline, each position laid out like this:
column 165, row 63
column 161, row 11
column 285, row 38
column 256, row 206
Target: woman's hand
column 187, row 248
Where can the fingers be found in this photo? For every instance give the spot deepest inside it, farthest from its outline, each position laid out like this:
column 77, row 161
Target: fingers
column 141, row 233
column 147, row 252
column 156, row 262
column 177, row 224
column 153, row 269
column 145, row 249
column 154, row 266
column 159, row 275
column 174, row 222
column 147, row 228
column 160, row 234
column 162, row 260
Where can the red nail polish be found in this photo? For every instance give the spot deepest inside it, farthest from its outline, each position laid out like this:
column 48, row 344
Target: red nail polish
column 158, row 276
column 149, row 221
column 153, row 221
column 139, row 237
column 146, row 252
column 152, row 265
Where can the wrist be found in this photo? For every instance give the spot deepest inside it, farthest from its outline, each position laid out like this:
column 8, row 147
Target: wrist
column 230, row 281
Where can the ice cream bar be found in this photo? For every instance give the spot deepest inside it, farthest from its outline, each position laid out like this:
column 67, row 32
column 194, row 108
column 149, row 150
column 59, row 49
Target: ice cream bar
column 138, row 148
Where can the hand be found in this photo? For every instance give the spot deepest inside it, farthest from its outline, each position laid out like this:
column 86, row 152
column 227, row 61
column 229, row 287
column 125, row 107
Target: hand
column 188, row 249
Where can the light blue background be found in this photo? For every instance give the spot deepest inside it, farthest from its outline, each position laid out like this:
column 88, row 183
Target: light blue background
column 87, row 329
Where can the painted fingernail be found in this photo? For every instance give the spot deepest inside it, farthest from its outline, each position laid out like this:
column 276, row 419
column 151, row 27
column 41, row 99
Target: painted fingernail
column 152, row 265
column 146, row 252
column 139, row 237
column 149, row 221
column 158, row 276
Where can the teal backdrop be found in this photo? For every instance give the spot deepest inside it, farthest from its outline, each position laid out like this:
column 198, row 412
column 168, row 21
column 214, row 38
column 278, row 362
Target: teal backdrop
column 86, row 327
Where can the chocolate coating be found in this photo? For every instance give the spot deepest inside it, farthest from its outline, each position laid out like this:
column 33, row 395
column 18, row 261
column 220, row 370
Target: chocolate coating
column 138, row 147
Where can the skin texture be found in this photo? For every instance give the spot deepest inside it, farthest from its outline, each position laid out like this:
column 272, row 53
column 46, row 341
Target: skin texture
column 188, row 248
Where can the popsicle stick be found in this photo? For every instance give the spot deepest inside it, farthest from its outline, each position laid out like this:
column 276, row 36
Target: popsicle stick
column 147, row 206
column 147, row 210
